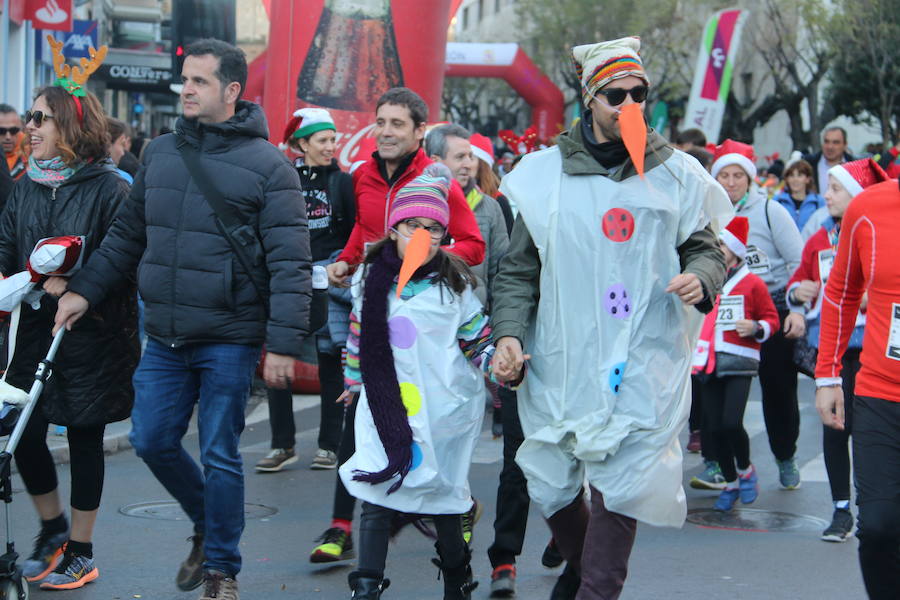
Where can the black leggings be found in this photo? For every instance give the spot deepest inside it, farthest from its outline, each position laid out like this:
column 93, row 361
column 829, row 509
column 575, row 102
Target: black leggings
column 724, row 401
column 374, row 535
column 35, row 463
column 778, row 383
column 836, row 444
column 344, row 503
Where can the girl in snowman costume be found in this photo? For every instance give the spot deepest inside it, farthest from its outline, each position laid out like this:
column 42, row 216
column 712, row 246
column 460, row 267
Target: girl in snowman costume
column 418, row 347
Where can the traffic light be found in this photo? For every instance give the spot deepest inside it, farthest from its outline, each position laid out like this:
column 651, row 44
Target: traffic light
column 193, row 20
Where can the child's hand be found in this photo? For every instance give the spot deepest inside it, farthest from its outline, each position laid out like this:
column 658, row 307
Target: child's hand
column 508, row 359
column 745, row 327
column 794, row 326
column 346, row 398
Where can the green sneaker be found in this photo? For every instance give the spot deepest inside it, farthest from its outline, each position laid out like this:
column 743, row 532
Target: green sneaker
column 788, row 473
column 336, row 545
column 470, row 518
column 710, row 479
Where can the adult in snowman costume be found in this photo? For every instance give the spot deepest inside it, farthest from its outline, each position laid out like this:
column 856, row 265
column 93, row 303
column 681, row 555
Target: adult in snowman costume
column 613, row 261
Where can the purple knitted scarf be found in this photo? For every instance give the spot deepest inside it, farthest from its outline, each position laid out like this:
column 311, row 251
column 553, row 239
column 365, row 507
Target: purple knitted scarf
column 376, row 362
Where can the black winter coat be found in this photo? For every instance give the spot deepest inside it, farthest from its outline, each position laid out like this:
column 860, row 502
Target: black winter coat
column 193, row 287
column 91, row 382
column 6, row 182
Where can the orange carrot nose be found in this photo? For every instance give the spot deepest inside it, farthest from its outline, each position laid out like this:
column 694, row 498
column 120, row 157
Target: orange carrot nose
column 416, row 253
column 634, row 134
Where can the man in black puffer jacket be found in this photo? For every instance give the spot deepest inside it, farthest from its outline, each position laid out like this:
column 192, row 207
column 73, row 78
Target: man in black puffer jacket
column 204, row 316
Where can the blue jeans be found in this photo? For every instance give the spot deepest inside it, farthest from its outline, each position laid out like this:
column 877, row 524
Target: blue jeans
column 167, row 384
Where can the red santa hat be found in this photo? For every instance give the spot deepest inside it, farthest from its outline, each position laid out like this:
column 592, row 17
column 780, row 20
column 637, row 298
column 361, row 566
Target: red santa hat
column 482, row 148
column 731, row 152
column 857, row 175
column 735, row 236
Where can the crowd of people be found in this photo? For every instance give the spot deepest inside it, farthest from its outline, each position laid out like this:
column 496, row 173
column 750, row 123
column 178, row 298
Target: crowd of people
column 610, row 289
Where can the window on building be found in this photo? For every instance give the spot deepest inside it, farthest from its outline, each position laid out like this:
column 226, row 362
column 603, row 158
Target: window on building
column 480, row 10
column 496, row 6
column 465, row 18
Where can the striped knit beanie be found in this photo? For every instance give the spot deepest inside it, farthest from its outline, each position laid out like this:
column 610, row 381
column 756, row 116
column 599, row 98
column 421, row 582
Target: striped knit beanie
column 425, row 196
column 598, row 64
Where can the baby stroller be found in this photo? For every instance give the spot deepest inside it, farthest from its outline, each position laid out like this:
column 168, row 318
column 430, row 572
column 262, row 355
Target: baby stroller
column 12, row 585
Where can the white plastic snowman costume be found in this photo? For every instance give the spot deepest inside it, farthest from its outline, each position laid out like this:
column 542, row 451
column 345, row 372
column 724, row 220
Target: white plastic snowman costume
column 608, row 385
column 444, row 396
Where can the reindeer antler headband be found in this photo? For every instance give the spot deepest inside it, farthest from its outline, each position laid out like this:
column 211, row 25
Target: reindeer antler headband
column 72, row 79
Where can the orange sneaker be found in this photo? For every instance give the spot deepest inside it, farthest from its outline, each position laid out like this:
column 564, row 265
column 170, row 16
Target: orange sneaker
column 72, row 573
column 48, row 548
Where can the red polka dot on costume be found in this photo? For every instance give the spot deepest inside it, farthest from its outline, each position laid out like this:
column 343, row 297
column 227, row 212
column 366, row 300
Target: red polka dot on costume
column 618, row 225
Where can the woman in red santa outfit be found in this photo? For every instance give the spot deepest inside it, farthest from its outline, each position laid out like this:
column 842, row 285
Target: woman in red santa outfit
column 727, row 360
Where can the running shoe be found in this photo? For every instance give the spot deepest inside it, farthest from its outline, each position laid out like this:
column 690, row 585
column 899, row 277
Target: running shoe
column 276, row 460
column 693, row 445
column 48, row 548
column 551, row 558
column 73, row 572
column 190, row 573
column 218, row 586
column 503, row 582
column 324, row 459
column 726, row 500
column 841, row 526
column 710, row 479
column 336, row 545
column 470, row 518
column 788, row 473
column 749, row 486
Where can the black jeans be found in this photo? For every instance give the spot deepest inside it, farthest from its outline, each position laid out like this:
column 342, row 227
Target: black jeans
column 512, row 493
column 331, row 417
column 696, row 419
column 35, row 463
column 724, row 401
column 836, row 444
column 778, row 380
column 281, row 418
column 344, row 503
column 876, row 463
column 374, row 535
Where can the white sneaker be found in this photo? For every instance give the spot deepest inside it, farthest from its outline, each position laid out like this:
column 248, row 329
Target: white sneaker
column 324, row 459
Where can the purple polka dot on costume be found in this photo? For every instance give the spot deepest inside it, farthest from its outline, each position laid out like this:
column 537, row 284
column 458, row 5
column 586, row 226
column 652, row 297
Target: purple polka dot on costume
column 416, row 456
column 615, row 377
column 616, row 301
column 403, row 332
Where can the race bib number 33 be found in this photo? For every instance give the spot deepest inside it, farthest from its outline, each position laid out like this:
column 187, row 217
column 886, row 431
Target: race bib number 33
column 757, row 260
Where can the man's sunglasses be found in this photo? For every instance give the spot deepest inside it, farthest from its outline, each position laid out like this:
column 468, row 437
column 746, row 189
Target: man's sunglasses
column 10, row 130
column 38, row 117
column 616, row 96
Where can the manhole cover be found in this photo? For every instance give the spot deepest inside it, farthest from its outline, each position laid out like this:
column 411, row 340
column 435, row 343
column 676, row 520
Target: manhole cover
column 752, row 519
column 171, row 511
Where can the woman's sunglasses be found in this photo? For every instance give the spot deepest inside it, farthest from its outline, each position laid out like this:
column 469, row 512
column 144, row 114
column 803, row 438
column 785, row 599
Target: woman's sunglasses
column 38, row 117
column 616, row 96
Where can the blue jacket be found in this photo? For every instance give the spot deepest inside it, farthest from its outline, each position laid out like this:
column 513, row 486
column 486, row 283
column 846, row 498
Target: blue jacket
column 811, row 204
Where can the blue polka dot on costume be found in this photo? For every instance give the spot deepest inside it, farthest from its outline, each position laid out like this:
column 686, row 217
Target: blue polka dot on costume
column 416, row 456
column 615, row 377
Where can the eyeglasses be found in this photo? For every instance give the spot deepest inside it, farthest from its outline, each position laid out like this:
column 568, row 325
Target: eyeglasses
column 436, row 232
column 10, row 130
column 616, row 96
column 38, row 117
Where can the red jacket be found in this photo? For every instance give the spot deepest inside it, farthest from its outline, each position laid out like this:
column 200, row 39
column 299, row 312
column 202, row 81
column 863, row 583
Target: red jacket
column 866, row 262
column 750, row 293
column 817, row 253
column 372, row 193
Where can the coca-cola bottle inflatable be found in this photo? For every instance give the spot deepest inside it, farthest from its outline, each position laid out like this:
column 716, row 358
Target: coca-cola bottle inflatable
column 353, row 57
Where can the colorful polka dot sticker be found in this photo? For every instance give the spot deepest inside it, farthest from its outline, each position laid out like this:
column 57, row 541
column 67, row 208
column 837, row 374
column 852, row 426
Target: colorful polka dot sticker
column 615, row 377
column 616, row 301
column 402, row 331
column 416, row 456
column 411, row 397
column 618, row 224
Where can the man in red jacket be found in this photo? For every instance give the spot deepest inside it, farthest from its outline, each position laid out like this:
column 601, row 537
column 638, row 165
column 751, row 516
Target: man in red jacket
column 400, row 118
column 866, row 262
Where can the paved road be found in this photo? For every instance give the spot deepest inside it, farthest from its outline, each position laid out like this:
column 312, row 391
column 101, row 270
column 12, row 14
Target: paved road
column 138, row 557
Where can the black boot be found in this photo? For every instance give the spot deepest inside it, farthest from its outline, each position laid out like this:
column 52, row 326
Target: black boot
column 367, row 586
column 567, row 585
column 458, row 583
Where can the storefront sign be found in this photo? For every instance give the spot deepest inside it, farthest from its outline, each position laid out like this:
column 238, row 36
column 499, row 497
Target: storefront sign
column 50, row 14
column 82, row 37
column 135, row 77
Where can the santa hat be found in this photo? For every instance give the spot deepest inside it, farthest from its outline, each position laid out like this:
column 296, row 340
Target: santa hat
column 735, row 236
column 731, row 152
column 305, row 122
column 482, row 148
column 857, row 175
column 425, row 196
column 598, row 64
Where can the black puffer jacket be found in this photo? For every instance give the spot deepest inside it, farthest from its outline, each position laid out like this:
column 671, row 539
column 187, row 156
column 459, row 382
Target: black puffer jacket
column 91, row 383
column 194, row 289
